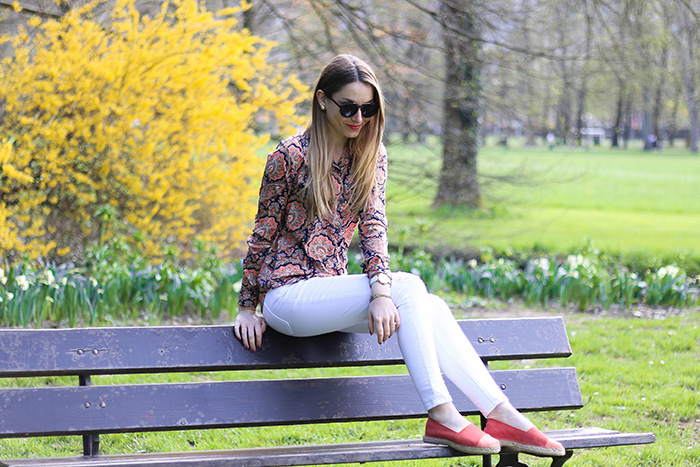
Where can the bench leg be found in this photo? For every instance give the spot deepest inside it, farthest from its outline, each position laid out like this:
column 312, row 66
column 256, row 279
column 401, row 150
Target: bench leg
column 560, row 460
column 91, row 443
column 509, row 460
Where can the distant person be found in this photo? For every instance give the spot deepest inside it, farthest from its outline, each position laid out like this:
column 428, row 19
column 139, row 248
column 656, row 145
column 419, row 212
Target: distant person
column 318, row 187
column 550, row 140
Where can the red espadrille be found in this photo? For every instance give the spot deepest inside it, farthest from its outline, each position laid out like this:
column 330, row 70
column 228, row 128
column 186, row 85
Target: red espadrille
column 470, row 440
column 532, row 441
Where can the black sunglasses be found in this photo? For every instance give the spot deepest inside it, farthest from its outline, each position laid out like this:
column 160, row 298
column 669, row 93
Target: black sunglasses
column 349, row 109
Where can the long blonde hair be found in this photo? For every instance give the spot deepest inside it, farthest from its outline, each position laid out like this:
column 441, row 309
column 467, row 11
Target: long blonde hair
column 320, row 194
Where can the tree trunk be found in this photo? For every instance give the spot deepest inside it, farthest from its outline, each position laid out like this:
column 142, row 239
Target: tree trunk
column 459, row 184
column 656, row 129
column 687, row 44
column 583, row 90
column 646, row 118
column 249, row 17
column 528, row 88
column 673, row 118
column 628, row 134
column 564, row 120
column 618, row 128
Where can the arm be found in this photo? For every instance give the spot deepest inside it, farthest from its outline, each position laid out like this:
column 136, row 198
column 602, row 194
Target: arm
column 372, row 225
column 249, row 326
column 383, row 317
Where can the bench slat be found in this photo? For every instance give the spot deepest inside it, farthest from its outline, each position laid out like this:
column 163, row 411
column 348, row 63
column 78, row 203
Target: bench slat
column 55, row 352
column 153, row 407
column 581, row 438
column 372, row 451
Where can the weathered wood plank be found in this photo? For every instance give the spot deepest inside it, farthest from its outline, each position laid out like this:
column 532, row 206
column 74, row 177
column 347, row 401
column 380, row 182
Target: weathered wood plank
column 154, row 407
column 583, row 438
column 283, row 456
column 42, row 352
column 324, row 454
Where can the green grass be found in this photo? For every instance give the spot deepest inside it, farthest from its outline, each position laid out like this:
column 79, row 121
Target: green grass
column 624, row 201
column 635, row 374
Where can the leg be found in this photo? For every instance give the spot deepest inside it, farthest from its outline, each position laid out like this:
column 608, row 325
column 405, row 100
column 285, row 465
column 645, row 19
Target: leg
column 322, row 305
column 435, row 340
column 462, row 365
column 319, row 306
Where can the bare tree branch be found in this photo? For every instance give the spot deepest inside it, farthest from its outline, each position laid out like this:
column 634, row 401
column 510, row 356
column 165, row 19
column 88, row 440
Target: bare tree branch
column 40, row 8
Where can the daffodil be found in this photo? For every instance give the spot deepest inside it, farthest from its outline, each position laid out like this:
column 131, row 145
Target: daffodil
column 22, row 282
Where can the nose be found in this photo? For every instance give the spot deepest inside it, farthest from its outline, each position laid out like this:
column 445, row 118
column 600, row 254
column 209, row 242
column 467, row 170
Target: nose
column 357, row 117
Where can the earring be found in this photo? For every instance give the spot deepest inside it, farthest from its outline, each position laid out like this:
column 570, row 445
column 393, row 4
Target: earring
column 323, row 107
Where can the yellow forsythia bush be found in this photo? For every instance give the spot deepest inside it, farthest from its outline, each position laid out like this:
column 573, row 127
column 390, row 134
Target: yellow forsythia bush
column 135, row 125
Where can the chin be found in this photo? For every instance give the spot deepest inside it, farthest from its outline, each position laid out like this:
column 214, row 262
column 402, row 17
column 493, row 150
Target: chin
column 350, row 133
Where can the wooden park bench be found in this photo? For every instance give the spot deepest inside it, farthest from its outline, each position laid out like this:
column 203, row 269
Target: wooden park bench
column 92, row 411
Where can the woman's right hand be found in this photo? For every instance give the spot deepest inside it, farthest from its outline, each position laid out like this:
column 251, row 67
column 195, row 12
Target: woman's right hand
column 249, row 328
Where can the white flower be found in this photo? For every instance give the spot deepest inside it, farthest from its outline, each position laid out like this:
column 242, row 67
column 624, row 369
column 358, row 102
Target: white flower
column 47, row 277
column 543, row 263
column 3, row 277
column 668, row 271
column 9, row 295
column 22, row 282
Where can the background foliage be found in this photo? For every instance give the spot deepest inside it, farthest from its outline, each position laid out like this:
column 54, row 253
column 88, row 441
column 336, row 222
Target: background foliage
column 136, row 125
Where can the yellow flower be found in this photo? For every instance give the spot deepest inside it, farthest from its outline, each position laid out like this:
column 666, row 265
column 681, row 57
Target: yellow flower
column 147, row 124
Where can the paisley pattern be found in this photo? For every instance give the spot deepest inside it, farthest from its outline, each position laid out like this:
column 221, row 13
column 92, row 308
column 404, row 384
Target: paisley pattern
column 286, row 246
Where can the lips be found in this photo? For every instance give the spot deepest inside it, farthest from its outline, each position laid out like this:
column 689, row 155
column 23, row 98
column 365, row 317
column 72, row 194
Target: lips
column 355, row 127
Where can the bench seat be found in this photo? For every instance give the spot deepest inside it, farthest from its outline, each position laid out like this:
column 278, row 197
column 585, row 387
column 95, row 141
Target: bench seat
column 91, row 411
column 369, row 451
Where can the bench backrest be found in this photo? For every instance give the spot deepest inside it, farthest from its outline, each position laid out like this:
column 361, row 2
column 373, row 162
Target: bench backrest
column 88, row 409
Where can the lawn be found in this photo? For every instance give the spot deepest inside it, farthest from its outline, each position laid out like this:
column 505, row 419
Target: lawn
column 624, row 201
column 635, row 374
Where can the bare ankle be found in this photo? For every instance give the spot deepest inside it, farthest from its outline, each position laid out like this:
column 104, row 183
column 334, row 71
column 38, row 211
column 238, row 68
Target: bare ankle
column 506, row 413
column 448, row 415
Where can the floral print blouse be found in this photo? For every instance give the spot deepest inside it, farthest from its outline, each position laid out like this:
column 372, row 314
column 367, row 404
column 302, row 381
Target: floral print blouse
column 286, row 247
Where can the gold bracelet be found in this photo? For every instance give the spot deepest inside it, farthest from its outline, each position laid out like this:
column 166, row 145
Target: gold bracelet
column 377, row 295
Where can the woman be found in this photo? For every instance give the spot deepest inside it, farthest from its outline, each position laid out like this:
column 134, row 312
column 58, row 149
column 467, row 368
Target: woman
column 318, row 187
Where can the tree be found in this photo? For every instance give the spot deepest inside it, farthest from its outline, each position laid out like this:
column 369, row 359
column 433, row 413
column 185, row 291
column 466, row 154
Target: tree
column 459, row 184
column 686, row 36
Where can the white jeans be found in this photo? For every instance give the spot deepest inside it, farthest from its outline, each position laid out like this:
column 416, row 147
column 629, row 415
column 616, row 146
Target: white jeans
column 429, row 337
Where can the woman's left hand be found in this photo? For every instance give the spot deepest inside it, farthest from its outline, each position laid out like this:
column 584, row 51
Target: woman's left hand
column 383, row 318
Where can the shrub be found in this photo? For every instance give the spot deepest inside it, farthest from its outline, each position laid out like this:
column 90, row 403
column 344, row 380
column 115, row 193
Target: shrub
column 137, row 125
